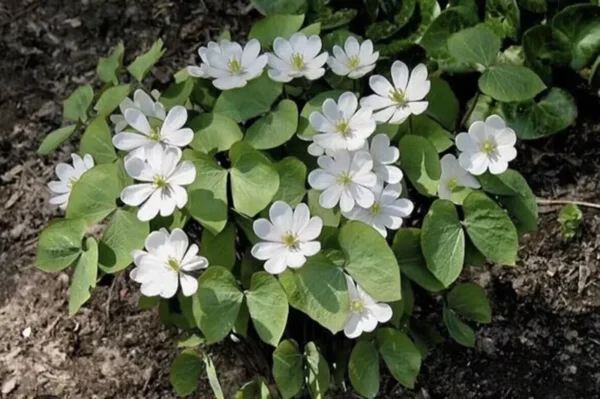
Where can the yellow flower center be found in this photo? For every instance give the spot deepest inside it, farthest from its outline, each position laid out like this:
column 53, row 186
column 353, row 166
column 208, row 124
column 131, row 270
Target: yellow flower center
column 376, row 209
column 160, row 182
column 344, row 179
column 353, row 62
column 297, row 61
column 488, row 147
column 452, row 184
column 343, row 128
column 154, row 134
column 234, row 66
column 357, row 306
column 173, row 264
column 290, row 239
column 398, row 96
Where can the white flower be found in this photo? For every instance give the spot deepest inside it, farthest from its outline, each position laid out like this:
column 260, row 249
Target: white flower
column 166, row 263
column 171, row 131
column 384, row 156
column 396, row 103
column 288, row 237
column 296, row 58
column 366, row 313
column 68, row 175
column 354, row 60
column 387, row 210
column 454, row 177
column 143, row 103
column 228, row 64
column 342, row 126
column 488, row 144
column 163, row 177
column 346, row 178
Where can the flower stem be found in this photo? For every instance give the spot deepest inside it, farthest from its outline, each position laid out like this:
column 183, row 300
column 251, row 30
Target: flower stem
column 542, row 201
column 469, row 111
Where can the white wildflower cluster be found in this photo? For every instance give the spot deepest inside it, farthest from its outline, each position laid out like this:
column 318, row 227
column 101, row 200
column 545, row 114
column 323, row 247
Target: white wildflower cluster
column 357, row 166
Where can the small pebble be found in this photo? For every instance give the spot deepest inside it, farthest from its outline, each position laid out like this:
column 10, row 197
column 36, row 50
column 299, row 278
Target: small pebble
column 26, row 333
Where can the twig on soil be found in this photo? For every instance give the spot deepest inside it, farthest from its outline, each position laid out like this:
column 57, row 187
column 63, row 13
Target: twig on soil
column 110, row 293
column 565, row 202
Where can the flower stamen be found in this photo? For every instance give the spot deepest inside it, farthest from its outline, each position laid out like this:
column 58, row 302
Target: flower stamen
column 344, row 179
column 398, row 97
column 488, row 147
column 452, row 184
column 290, row 239
column 343, row 128
column 235, row 66
column 174, row 264
column 154, row 135
column 353, row 62
column 375, row 209
column 357, row 306
column 297, row 61
column 160, row 182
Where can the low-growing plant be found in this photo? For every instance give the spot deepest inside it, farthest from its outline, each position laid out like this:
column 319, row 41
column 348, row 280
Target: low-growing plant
column 301, row 199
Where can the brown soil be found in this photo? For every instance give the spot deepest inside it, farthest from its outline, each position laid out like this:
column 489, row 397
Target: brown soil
column 544, row 341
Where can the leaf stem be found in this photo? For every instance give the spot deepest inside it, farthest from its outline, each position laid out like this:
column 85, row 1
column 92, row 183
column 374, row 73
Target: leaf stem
column 470, row 110
column 542, row 201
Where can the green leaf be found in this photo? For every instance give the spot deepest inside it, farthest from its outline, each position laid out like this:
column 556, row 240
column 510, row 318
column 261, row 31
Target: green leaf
column 177, row 94
column 312, row 29
column 459, row 331
column 424, row 126
column 109, row 68
column 516, row 195
column 537, row 6
column 506, row 15
column 363, row 369
column 178, row 219
column 443, row 242
column 407, row 248
column 56, row 138
column 318, row 289
column 60, row 244
column 208, row 193
column 554, row 112
column 287, row 368
column 111, row 99
column 545, row 47
column 339, row 18
column 435, row 38
column 594, row 79
column 84, row 277
column 254, row 180
column 400, row 355
column 509, row 83
column 192, row 341
column 185, row 372
column 94, row 196
column 474, row 46
column 213, row 381
column 570, row 218
column 580, row 23
column 318, row 375
column 420, row 162
column 124, row 233
column 315, row 104
column 370, row 261
column 470, row 301
column 490, row 229
column 268, row 307
column 267, row 7
column 275, row 128
column 140, row 67
column 76, row 106
column 219, row 249
column 273, row 26
column 204, row 94
column 443, row 104
column 249, row 101
column 217, row 303
column 97, row 141
column 381, row 30
column 255, row 389
column 292, row 181
column 214, row 132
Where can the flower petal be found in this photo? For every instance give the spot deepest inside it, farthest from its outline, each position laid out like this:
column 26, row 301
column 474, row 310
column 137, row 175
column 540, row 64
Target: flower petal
column 136, row 194
column 265, row 230
column 376, row 102
column 347, row 104
column 150, row 208
column 320, row 179
column 352, row 329
column 418, row 85
column 283, row 49
column 175, row 119
column 276, row 264
column 381, row 311
column 309, row 248
column 137, row 120
column 250, row 53
column 189, row 285
column 400, row 75
column 380, row 85
column 267, row 250
column 330, row 197
column 183, row 174
column 130, row 141
column 281, row 216
column 295, row 260
column 178, row 243
column 311, row 230
column 179, row 138
column 229, row 82
column 65, row 172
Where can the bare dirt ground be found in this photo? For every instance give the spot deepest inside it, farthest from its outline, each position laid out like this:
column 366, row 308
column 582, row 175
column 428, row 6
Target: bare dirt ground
column 545, row 338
